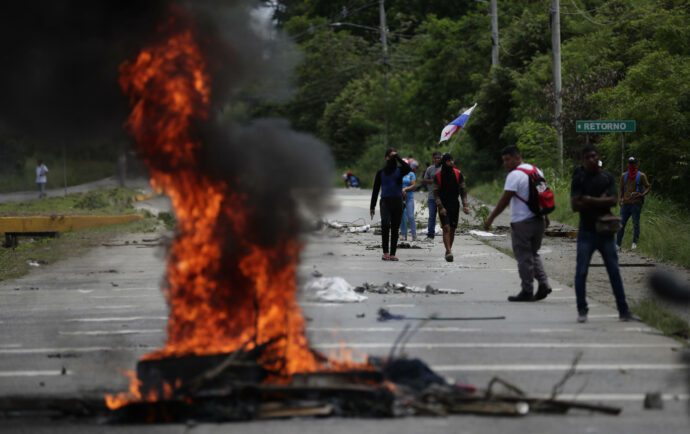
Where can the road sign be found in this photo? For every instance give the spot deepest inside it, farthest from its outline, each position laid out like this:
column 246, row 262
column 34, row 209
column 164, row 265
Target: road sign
column 605, row 126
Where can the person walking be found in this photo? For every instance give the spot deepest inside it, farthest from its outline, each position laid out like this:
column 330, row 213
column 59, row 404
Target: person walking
column 449, row 184
column 409, row 184
column 592, row 194
column 634, row 186
column 428, row 180
column 41, row 178
column 389, row 181
column 526, row 227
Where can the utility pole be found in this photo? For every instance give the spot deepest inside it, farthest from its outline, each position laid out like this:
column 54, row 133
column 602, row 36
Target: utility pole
column 556, row 48
column 384, row 44
column 494, row 33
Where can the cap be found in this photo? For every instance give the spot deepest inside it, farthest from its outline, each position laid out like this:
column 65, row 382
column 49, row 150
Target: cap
column 632, row 160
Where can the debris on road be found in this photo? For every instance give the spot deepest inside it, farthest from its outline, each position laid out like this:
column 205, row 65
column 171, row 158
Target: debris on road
column 403, row 288
column 386, row 315
column 332, row 289
column 485, row 234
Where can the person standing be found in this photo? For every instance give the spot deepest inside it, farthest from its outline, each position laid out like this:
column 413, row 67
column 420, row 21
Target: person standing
column 526, row 227
column 592, row 194
column 449, row 184
column 41, row 178
column 634, row 186
column 409, row 184
column 389, row 181
column 428, row 180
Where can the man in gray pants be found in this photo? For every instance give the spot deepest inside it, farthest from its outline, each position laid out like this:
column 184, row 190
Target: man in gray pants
column 526, row 228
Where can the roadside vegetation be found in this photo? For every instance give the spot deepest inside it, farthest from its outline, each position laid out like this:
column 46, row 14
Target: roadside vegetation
column 655, row 315
column 15, row 262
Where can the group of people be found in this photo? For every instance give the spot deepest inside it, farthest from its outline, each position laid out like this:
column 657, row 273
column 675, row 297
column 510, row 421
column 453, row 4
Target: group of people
column 593, row 194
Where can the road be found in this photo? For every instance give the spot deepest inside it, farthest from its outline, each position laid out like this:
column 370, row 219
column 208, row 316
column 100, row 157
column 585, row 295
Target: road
column 71, row 328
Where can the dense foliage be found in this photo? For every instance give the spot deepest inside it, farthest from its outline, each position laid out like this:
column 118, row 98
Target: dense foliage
column 621, row 59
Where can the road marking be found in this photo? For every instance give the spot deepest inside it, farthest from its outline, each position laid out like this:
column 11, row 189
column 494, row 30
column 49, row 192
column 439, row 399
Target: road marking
column 550, row 330
column 400, row 305
column 603, row 316
column 5, row 374
column 118, row 319
column 549, row 345
column 107, row 297
column 123, row 306
column 71, row 350
column 136, row 289
column 612, row 396
column 110, row 332
column 391, row 329
column 562, row 297
column 640, row 329
column 10, row 345
column 565, row 367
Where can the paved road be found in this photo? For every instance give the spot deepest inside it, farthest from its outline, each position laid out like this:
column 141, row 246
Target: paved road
column 72, row 327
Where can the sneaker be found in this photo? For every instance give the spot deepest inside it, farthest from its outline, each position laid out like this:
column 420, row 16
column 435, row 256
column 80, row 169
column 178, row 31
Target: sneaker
column 634, row 246
column 627, row 317
column 392, row 258
column 430, row 239
column 521, row 296
column 449, row 257
column 582, row 317
column 542, row 292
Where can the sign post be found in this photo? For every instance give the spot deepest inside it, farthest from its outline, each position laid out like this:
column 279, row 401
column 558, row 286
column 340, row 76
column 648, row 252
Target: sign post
column 608, row 126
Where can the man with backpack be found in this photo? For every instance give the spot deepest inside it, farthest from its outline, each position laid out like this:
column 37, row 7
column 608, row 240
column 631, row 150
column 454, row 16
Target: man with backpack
column 449, row 184
column 527, row 221
column 634, row 187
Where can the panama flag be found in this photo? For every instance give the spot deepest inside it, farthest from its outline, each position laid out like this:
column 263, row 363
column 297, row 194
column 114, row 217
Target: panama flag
column 457, row 124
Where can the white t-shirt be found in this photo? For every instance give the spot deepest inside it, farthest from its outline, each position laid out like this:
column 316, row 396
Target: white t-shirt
column 41, row 172
column 518, row 182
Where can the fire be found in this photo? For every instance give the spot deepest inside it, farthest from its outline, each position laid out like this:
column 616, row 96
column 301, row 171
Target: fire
column 220, row 299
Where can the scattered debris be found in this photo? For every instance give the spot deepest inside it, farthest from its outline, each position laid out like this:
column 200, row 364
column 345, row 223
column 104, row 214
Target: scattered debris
column 403, row 288
column 386, row 315
column 653, row 401
column 361, row 315
column 485, row 234
column 33, row 263
column 406, row 245
column 332, row 289
column 359, row 229
column 561, row 234
column 316, row 273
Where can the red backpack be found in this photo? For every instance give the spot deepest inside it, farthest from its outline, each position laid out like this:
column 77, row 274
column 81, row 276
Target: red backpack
column 457, row 176
column 541, row 199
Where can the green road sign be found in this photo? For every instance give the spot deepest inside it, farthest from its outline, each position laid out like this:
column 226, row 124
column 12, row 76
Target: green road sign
column 605, row 126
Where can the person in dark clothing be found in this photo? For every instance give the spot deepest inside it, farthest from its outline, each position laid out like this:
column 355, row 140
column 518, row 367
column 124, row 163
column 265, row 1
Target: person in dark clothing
column 389, row 181
column 592, row 194
column 449, row 183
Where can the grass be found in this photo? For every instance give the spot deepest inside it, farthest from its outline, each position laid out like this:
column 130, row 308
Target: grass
column 665, row 226
column 75, row 171
column 105, row 201
column 653, row 314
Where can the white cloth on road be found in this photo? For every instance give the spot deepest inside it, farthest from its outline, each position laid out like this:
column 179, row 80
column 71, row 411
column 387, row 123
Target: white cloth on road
column 333, row 289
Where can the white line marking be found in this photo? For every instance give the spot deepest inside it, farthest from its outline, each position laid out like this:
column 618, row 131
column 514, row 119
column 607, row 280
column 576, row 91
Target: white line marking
column 390, row 329
column 123, row 306
column 563, row 297
column 552, row 345
column 136, row 289
column 10, row 345
column 111, row 332
column 612, row 396
column 6, row 374
column 565, row 367
column 550, row 330
column 107, row 297
column 640, row 329
column 603, row 316
column 70, row 350
column 557, row 289
column 85, row 291
column 321, row 304
column 118, row 319
column 400, row 305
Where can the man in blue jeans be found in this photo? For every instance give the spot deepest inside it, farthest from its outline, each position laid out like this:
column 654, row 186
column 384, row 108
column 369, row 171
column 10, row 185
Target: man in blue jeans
column 592, row 194
column 428, row 180
column 633, row 188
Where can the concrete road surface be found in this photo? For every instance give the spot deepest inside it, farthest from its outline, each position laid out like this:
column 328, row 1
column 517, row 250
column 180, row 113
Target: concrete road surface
column 71, row 328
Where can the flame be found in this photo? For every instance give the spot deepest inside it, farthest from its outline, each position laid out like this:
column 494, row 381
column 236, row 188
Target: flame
column 221, row 299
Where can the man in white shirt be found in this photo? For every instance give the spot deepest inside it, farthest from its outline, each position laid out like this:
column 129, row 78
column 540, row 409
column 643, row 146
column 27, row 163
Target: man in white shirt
column 41, row 178
column 526, row 227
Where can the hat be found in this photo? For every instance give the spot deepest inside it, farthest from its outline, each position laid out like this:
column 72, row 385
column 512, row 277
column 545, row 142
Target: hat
column 632, row 160
column 446, row 157
column 414, row 164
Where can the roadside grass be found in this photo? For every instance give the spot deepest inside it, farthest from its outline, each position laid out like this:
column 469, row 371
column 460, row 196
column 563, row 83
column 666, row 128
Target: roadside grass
column 105, row 201
column 14, row 263
column 655, row 315
column 664, row 225
column 75, row 171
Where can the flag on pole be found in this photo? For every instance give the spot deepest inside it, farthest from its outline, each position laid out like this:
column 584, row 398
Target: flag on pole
column 457, row 124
